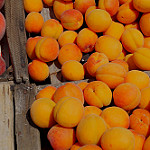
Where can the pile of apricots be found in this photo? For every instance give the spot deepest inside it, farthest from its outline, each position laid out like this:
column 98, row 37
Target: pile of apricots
column 112, row 112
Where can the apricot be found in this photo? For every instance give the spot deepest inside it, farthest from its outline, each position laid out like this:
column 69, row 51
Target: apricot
column 60, row 6
column 75, row 146
column 41, row 112
column 139, row 78
column 87, row 75
column 111, row 6
column 69, row 52
column 90, row 129
column 139, row 140
column 145, row 99
column 2, row 2
column 117, row 138
column 71, row 19
column 92, row 110
column 98, row 20
column 132, row 39
column 133, row 25
column 127, row 13
column 48, row 2
column 68, row 89
column 2, row 25
column 141, row 58
column 30, row 46
column 89, row 10
column 38, row 70
column 47, row 49
column 121, row 62
column 72, row 70
column 68, row 111
column 34, row 6
column 34, row 22
column 115, row 117
column 147, row 42
column 116, row 30
column 127, row 96
column 82, row 85
column 147, row 144
column 129, row 59
column 140, row 121
column 51, row 28
column 108, row 45
column 46, row 92
column 97, row 94
column 83, row 5
column 122, row 1
column 112, row 74
column 61, row 137
column 142, row 6
column 86, row 40
column 67, row 37
column 90, row 147
column 145, row 23
column 95, row 61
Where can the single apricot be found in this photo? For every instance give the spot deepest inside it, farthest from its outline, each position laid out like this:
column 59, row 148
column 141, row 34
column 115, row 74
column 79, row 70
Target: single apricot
column 61, row 138
column 67, row 37
column 133, row 25
column 121, row 62
column 69, row 52
column 86, row 40
column 90, row 147
column 51, row 28
column 2, row 25
column 145, row 99
column 92, row 110
column 146, row 42
column 141, row 58
column 30, row 46
column 71, row 19
column 47, row 49
column 89, row 10
column 34, row 22
column 48, row 2
column 139, row 140
column 98, row 20
column 129, row 59
column 140, row 121
column 142, row 6
column 145, row 23
column 75, row 146
column 115, row 117
column 112, row 74
column 34, row 6
column 87, row 75
column 38, row 70
column 90, row 129
column 117, row 138
column 127, row 13
column 60, row 6
column 46, row 92
column 95, row 61
column 147, row 144
column 108, row 45
column 68, row 89
column 139, row 78
column 97, row 94
column 122, row 1
column 68, row 111
column 132, row 39
column 127, row 96
column 111, row 6
column 116, row 30
column 41, row 112
column 82, row 85
column 72, row 70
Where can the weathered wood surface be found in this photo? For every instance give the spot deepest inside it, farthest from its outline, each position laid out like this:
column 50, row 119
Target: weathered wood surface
column 16, row 35
column 6, row 117
column 27, row 134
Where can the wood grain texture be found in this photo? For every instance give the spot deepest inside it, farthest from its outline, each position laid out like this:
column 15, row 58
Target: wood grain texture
column 16, row 35
column 6, row 117
column 27, row 134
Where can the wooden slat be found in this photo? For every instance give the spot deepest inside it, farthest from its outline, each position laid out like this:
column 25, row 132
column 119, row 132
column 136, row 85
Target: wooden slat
column 6, row 117
column 15, row 31
column 27, row 135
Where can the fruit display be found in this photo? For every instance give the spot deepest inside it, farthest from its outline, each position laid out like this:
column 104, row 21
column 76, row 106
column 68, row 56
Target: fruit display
column 107, row 42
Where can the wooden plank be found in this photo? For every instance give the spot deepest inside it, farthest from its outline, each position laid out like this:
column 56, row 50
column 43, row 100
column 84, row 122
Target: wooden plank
column 16, row 35
column 6, row 117
column 27, row 134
